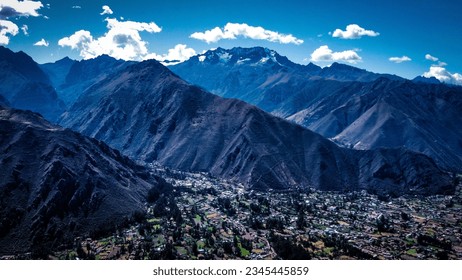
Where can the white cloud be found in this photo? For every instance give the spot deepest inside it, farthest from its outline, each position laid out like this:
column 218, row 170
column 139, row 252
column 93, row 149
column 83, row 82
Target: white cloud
column 443, row 75
column 232, row 30
column 323, row 53
column 400, row 59
column 431, row 58
column 354, row 31
column 25, row 29
column 76, row 7
column 7, row 28
column 176, row 55
column 42, row 43
column 436, row 60
column 13, row 9
column 106, row 10
column 16, row 8
column 121, row 41
column 79, row 40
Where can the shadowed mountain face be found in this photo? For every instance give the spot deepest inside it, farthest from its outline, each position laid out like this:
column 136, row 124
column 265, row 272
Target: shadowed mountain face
column 56, row 184
column 4, row 102
column 419, row 117
column 57, row 71
column 24, row 85
column 355, row 107
column 72, row 78
column 151, row 114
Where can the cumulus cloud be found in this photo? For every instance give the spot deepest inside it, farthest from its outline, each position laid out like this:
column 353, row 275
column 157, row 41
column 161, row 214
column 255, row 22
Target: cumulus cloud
column 438, row 70
column 79, row 40
column 106, row 10
column 431, row 58
column 174, row 56
column 42, row 43
column 13, row 9
column 121, row 41
column 400, row 59
column 7, row 28
column 443, row 75
column 354, row 31
column 16, row 8
column 76, row 7
column 233, row 30
column 323, row 53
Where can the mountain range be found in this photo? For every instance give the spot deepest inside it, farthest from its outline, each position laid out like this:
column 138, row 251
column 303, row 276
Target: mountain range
column 71, row 78
column 25, row 86
column 351, row 106
column 150, row 114
column 57, row 184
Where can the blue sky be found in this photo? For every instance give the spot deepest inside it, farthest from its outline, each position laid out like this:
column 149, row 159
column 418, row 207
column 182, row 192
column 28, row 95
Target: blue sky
column 304, row 31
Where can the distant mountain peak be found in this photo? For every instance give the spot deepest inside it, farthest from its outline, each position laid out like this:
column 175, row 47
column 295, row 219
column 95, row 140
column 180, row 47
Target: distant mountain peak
column 422, row 79
column 103, row 57
column 243, row 56
column 65, row 59
column 342, row 67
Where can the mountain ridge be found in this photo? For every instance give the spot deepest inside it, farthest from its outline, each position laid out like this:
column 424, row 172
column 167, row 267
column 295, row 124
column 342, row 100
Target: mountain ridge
column 150, row 114
column 25, row 86
column 57, row 184
column 74, row 77
column 332, row 101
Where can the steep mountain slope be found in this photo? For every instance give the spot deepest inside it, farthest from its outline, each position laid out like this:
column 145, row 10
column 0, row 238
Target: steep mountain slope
column 23, row 65
column 340, row 101
column 4, row 102
column 85, row 73
column 268, row 80
column 57, row 71
column 238, row 72
column 26, row 86
column 151, row 114
column 421, row 117
column 56, row 184
column 258, row 76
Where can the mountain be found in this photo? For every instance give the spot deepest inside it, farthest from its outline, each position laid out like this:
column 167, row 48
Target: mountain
column 4, row 102
column 239, row 71
column 343, row 72
column 268, row 80
column 26, row 86
column 421, row 117
column 249, row 73
column 23, row 65
column 352, row 106
column 150, row 114
column 57, row 71
column 422, row 79
column 85, row 73
column 56, row 184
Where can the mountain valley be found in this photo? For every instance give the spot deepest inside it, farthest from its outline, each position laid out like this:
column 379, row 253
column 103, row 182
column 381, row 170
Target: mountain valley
column 114, row 159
